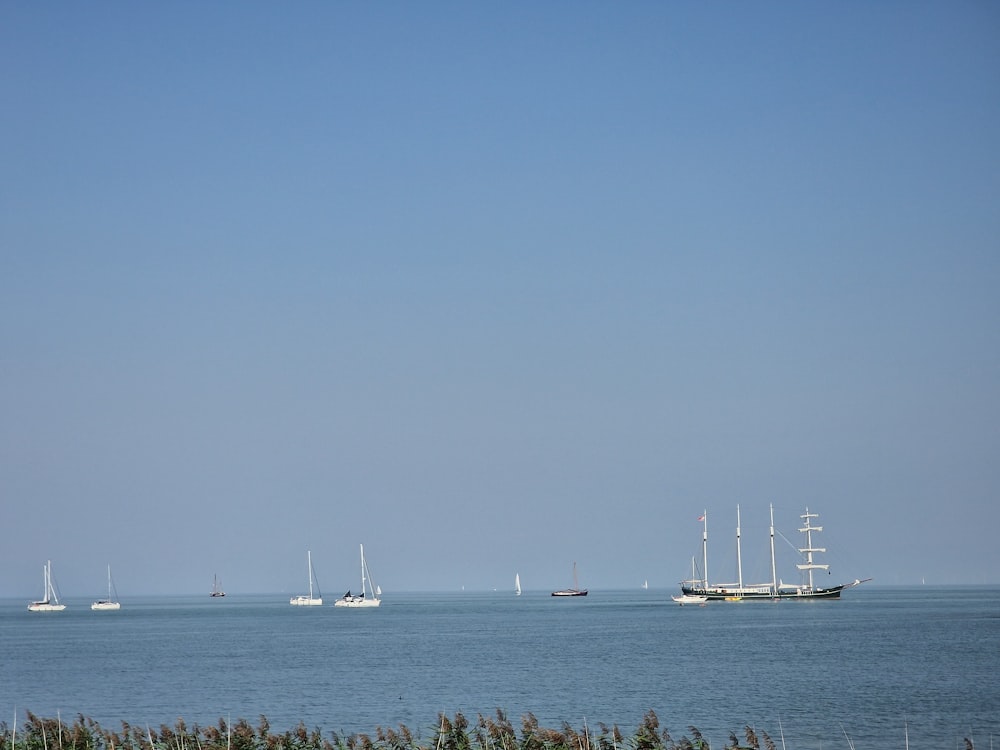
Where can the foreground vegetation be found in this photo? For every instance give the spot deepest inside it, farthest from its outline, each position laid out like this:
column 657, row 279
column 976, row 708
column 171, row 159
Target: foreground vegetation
column 455, row 733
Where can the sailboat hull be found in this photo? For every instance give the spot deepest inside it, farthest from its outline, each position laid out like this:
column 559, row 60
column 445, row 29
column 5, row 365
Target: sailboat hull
column 357, row 601
column 305, row 601
column 689, row 599
column 105, row 606
column 45, row 607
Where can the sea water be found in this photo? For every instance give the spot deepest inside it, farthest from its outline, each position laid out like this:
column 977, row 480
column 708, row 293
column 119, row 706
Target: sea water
column 877, row 666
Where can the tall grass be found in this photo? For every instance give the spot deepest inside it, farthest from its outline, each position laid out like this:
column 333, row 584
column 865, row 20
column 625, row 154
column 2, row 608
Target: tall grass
column 495, row 732
column 456, row 732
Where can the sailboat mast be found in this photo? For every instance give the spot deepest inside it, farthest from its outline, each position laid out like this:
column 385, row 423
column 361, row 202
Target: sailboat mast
column 309, row 562
column 739, row 556
column 774, row 570
column 50, row 593
column 362, row 569
column 704, row 547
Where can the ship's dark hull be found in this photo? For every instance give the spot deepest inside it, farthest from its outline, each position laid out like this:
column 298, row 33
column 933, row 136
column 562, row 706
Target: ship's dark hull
column 722, row 594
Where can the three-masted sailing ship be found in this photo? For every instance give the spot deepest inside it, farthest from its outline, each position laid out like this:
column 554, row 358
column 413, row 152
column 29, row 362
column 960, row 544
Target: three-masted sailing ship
column 775, row 588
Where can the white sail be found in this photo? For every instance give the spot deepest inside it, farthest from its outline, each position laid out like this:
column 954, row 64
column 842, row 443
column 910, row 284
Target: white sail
column 517, row 583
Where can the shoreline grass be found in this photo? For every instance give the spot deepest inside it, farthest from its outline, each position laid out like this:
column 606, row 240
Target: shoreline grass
column 496, row 732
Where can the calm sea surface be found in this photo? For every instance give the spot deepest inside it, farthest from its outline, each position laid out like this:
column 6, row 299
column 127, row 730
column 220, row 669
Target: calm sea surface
column 881, row 657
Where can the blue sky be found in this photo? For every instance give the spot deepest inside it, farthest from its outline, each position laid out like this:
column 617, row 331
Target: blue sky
column 496, row 288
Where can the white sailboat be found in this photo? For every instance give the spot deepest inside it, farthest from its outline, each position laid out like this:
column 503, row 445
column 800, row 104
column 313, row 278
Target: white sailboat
column 111, row 603
column 309, row 601
column 49, row 601
column 691, row 598
column 370, row 593
column 517, row 583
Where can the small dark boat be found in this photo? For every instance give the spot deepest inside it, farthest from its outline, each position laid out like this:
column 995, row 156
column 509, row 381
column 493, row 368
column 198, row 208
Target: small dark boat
column 575, row 591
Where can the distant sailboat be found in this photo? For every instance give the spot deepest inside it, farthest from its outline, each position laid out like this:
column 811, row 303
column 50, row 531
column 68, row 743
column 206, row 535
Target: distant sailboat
column 645, row 584
column 111, row 603
column 217, row 587
column 370, row 593
column 49, row 601
column 575, row 591
column 517, row 584
column 309, row 601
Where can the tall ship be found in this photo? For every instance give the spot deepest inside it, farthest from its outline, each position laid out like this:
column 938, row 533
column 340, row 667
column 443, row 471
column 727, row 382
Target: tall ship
column 775, row 588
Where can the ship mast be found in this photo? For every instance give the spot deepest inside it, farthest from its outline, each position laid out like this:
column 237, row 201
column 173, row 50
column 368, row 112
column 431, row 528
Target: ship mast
column 704, row 547
column 309, row 563
column 808, row 550
column 739, row 556
column 774, row 572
